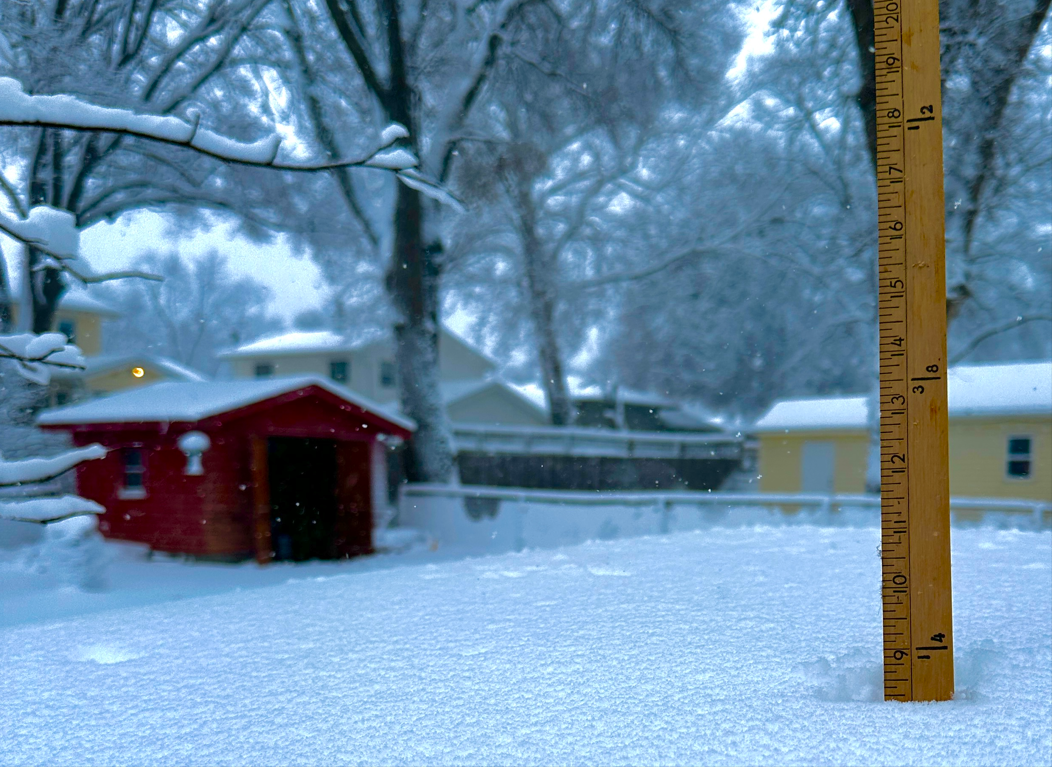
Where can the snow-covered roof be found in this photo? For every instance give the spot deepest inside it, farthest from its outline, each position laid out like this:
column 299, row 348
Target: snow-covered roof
column 973, row 390
column 533, row 392
column 1019, row 389
column 298, row 342
column 181, row 401
column 78, row 300
column 104, row 363
column 824, row 413
column 457, row 391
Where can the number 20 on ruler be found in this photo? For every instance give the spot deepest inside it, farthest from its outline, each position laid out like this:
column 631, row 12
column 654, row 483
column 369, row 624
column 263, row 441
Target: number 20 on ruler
column 915, row 515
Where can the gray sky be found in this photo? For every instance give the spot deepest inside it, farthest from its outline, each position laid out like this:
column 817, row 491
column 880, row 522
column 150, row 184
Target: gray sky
column 294, row 281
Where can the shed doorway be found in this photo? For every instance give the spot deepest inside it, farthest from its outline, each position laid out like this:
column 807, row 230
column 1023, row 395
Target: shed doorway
column 302, row 478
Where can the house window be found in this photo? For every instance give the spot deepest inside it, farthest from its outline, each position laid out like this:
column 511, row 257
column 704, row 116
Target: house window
column 134, row 473
column 264, row 370
column 1019, row 457
column 68, row 328
column 339, row 371
column 387, row 374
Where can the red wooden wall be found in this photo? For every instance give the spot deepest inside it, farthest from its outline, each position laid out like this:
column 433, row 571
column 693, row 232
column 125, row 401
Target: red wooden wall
column 217, row 514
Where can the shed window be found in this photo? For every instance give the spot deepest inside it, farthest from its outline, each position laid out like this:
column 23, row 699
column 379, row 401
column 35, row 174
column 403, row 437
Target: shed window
column 68, row 328
column 1019, row 457
column 387, row 374
column 339, row 371
column 134, row 472
column 264, row 370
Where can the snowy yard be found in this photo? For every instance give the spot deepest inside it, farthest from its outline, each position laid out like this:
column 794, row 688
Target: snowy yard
column 727, row 646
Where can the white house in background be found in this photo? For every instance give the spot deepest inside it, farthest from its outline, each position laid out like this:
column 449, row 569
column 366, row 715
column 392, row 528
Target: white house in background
column 468, row 381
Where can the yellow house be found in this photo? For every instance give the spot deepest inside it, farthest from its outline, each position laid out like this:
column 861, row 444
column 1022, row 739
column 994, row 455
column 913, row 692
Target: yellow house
column 1000, row 437
column 80, row 318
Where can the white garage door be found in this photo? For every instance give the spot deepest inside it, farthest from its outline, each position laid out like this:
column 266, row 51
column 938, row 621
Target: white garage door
column 816, row 469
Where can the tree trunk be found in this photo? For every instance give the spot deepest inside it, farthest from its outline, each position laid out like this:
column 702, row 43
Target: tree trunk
column 540, row 276
column 46, row 187
column 975, row 116
column 412, row 284
column 866, row 98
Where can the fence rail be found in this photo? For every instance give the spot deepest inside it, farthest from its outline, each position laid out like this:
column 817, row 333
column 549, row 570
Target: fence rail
column 562, row 440
column 965, row 508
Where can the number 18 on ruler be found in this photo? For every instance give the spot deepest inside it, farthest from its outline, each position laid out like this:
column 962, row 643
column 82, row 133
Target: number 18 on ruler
column 915, row 511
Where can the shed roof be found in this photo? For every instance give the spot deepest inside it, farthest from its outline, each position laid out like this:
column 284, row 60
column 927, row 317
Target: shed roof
column 973, row 390
column 189, row 401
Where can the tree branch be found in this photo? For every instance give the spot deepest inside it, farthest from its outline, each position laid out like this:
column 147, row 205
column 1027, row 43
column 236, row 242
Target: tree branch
column 972, row 345
column 68, row 113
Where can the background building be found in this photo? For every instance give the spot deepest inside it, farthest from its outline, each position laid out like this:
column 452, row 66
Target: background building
column 1000, row 437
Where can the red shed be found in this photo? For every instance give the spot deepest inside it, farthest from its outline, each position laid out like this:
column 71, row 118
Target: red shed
column 278, row 469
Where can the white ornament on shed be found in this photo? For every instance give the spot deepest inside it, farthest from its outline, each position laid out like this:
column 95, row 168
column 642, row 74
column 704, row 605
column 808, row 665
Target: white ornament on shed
column 193, row 444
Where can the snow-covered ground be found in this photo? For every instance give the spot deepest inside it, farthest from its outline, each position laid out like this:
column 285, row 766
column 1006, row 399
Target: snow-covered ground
column 752, row 645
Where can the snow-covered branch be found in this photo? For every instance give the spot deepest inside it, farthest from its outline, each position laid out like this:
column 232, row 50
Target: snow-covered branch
column 54, row 232
column 45, row 510
column 37, row 355
column 64, row 112
column 34, row 470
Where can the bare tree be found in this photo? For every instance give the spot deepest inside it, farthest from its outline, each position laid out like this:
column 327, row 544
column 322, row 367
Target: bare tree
column 984, row 48
column 571, row 137
column 160, row 57
column 199, row 309
column 422, row 66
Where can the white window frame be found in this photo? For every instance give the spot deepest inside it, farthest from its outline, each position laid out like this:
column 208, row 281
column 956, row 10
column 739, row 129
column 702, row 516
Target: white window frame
column 133, row 492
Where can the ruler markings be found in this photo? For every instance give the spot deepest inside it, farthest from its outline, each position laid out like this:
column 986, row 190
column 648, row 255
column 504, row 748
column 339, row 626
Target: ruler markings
column 912, row 342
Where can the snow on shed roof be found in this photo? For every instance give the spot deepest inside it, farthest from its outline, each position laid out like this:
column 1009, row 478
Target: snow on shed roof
column 974, row 390
column 182, row 401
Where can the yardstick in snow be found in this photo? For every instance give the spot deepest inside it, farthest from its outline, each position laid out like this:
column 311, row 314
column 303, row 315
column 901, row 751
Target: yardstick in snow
column 914, row 481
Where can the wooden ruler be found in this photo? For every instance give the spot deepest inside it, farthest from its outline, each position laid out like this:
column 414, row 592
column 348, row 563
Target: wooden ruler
column 915, row 497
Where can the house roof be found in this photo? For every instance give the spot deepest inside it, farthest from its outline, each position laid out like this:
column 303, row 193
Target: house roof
column 973, row 391
column 78, row 300
column 182, row 401
column 105, row 363
column 317, row 341
column 299, row 342
column 458, row 391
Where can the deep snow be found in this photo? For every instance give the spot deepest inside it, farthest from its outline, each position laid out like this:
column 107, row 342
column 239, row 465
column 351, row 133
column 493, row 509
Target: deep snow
column 754, row 645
